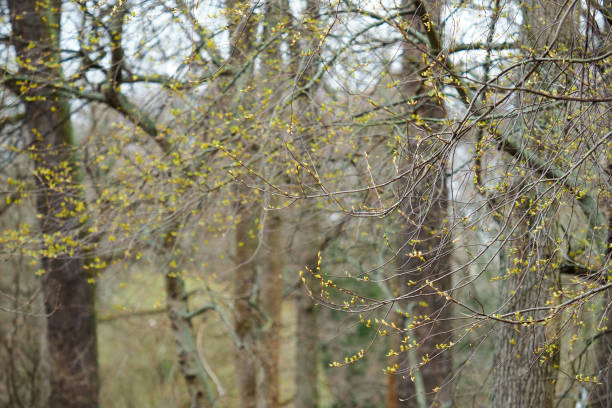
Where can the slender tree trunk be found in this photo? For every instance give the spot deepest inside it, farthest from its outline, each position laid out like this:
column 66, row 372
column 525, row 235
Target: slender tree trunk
column 271, row 280
column 271, row 301
column 392, row 388
column 68, row 297
column 307, row 352
column 244, row 311
column 307, row 335
column 243, row 38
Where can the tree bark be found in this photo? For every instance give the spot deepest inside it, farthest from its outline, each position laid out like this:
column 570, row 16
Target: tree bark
column 307, row 355
column 426, row 205
column 392, row 387
column 242, row 25
column 525, row 371
column 244, row 311
column 68, row 297
column 520, row 378
column 194, row 372
column 525, row 375
column 307, row 335
column 271, row 280
column 603, row 392
column 602, row 396
column 436, row 329
column 271, row 301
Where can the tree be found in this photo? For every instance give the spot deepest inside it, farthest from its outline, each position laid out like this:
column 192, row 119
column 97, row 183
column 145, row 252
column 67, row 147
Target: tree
column 424, row 209
column 69, row 298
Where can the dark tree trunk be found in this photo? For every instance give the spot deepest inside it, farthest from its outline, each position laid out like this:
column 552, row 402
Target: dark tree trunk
column 521, row 379
column 524, row 374
column 424, row 208
column 437, row 329
column 71, row 333
column 68, row 297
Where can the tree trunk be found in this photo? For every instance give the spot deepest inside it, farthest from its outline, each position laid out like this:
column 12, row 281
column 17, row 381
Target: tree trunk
column 521, row 380
column 68, row 297
column 437, row 329
column 271, row 280
column 242, row 25
column 196, row 377
column 271, row 301
column 392, row 387
column 307, row 355
column 245, row 314
column 426, row 205
column 603, row 365
column 525, row 373
column 602, row 395
column 71, row 333
column 307, row 348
